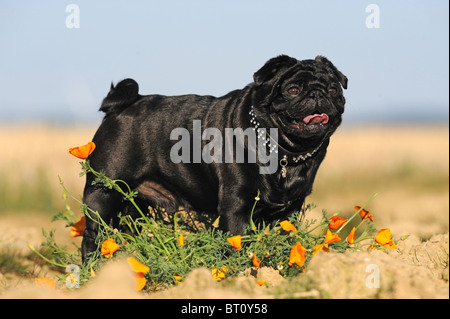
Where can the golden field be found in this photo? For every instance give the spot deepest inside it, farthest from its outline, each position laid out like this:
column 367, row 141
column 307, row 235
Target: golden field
column 407, row 165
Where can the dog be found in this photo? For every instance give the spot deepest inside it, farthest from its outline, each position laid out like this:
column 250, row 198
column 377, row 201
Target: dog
column 138, row 141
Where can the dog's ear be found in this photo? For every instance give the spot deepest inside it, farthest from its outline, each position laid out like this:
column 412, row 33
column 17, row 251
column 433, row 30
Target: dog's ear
column 272, row 67
column 120, row 97
column 267, row 78
column 341, row 77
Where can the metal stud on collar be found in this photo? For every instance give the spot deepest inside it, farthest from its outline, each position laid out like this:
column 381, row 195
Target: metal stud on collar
column 265, row 141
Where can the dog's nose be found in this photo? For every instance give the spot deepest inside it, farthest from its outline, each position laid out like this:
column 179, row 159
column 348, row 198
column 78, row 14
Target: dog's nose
column 315, row 94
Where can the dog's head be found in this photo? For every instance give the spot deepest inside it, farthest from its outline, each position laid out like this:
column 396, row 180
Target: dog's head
column 303, row 99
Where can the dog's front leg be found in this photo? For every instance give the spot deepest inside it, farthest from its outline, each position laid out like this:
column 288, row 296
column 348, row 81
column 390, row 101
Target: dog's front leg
column 234, row 213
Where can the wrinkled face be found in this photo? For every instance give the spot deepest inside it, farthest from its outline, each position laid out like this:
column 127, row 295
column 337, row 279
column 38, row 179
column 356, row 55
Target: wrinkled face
column 303, row 99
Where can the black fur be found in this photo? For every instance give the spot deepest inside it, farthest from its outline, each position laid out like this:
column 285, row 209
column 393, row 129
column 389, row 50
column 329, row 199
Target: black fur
column 133, row 144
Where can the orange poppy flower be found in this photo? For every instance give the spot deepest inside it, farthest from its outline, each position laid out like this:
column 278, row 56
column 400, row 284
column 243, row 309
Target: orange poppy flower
column 217, row 274
column 178, row 279
column 256, row 262
column 235, row 242
column 82, row 151
column 260, row 282
column 180, row 240
column 351, row 237
column 383, row 237
column 139, row 270
column 317, row 248
column 363, row 213
column 109, row 246
column 78, row 228
column 331, row 238
column 335, row 222
column 297, row 255
column 45, row 282
column 287, row 226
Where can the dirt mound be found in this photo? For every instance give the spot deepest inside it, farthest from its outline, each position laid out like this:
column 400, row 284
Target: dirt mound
column 415, row 270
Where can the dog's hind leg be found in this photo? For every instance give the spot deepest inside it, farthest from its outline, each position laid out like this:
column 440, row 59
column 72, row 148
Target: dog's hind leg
column 129, row 211
column 107, row 203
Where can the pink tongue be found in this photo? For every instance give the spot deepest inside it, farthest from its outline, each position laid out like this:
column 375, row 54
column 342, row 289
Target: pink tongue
column 316, row 119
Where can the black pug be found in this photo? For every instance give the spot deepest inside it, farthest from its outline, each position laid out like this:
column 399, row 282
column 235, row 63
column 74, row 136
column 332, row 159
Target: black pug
column 136, row 142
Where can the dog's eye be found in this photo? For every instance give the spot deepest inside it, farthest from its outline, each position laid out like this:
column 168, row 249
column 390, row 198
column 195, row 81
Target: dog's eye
column 332, row 91
column 294, row 90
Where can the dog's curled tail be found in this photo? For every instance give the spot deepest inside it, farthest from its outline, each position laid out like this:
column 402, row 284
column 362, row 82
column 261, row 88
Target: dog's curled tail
column 120, row 97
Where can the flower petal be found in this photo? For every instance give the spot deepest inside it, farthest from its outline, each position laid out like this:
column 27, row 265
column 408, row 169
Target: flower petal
column 217, row 274
column 287, row 226
column 383, row 237
column 109, row 246
column 256, row 262
column 78, row 228
column 364, row 213
column 235, row 242
column 317, row 248
column 351, row 237
column 137, row 266
column 177, row 279
column 92, row 272
column 331, row 238
column 297, row 255
column 45, row 282
column 335, row 222
column 181, row 240
column 139, row 281
column 82, row 151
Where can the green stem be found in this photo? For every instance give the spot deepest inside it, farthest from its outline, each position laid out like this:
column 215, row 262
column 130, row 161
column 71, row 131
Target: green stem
column 175, row 221
column 45, row 258
column 311, row 230
column 252, row 224
column 361, row 222
column 128, row 196
column 357, row 212
column 362, row 239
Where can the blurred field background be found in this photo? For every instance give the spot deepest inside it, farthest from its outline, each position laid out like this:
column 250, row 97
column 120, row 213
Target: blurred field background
column 54, row 70
column 407, row 165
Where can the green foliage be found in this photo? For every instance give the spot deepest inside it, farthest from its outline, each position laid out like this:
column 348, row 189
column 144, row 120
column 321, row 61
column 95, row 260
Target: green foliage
column 10, row 262
column 21, row 194
column 154, row 241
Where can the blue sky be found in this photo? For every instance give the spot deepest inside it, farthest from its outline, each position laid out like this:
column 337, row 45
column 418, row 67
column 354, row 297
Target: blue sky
column 49, row 72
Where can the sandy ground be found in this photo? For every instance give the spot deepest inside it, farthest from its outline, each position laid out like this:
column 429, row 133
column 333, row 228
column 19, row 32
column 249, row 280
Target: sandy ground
column 415, row 270
column 359, row 163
